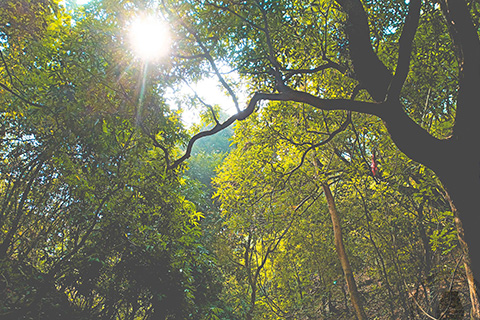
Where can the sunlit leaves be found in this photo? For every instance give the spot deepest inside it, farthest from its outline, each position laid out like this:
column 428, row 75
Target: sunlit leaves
column 86, row 201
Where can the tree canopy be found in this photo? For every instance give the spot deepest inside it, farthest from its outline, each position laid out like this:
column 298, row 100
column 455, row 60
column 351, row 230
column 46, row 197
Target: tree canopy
column 345, row 183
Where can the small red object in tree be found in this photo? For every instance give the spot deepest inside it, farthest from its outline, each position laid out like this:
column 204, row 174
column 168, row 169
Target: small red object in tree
column 374, row 166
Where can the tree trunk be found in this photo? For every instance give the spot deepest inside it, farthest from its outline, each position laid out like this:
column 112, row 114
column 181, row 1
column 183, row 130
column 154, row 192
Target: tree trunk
column 459, row 172
column 347, row 269
column 253, row 299
column 467, row 262
column 473, row 290
column 455, row 160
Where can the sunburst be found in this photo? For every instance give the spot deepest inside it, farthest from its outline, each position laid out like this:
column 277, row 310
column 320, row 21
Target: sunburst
column 149, row 37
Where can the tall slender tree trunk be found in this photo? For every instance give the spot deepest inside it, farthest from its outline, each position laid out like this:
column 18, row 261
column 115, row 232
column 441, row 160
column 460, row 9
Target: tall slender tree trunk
column 347, row 268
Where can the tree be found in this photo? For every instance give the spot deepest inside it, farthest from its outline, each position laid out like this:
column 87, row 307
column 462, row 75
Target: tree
column 398, row 234
column 92, row 224
column 347, row 268
column 283, row 46
column 320, row 57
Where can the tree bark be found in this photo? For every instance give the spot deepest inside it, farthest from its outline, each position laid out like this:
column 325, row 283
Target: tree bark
column 467, row 262
column 455, row 160
column 347, row 268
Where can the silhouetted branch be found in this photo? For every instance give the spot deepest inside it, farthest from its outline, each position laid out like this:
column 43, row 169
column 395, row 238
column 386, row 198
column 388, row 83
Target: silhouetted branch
column 220, row 126
column 22, row 98
column 405, row 49
column 329, row 65
column 369, row 70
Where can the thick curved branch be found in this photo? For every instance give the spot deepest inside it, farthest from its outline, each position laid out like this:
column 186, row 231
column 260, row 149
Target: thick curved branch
column 410, row 138
column 327, row 104
column 405, row 49
column 369, row 70
column 372, row 74
column 466, row 34
column 219, row 127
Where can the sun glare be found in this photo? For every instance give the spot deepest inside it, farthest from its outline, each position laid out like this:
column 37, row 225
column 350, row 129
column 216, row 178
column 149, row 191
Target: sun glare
column 149, row 38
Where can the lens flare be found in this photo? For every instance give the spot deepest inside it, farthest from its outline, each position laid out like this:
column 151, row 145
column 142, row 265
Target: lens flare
column 149, row 38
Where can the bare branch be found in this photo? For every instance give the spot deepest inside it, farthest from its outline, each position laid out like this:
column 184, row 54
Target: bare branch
column 405, row 49
column 33, row 104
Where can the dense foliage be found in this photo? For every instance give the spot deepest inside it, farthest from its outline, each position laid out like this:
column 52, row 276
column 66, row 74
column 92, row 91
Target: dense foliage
column 277, row 245
column 103, row 217
column 92, row 224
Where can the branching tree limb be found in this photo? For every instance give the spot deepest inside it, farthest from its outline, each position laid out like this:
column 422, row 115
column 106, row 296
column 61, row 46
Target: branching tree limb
column 369, row 70
column 405, row 50
column 329, row 65
column 465, row 37
column 219, row 127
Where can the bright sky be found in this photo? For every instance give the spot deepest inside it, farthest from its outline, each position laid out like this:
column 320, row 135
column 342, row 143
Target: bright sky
column 211, row 92
column 145, row 35
column 150, row 40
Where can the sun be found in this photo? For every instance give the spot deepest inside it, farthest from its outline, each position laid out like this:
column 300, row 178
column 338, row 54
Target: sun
column 149, row 37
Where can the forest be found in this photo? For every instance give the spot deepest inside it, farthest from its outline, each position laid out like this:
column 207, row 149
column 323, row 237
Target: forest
column 239, row 159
